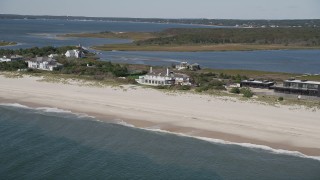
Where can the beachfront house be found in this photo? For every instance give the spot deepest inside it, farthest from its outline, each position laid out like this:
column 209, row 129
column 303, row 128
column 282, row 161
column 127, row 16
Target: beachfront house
column 257, row 84
column 43, row 63
column 160, row 78
column 74, row 54
column 301, row 87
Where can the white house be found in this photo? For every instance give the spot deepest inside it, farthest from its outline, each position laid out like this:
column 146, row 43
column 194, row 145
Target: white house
column 186, row 65
column 43, row 63
column 12, row 58
column 163, row 78
column 182, row 65
column 74, row 54
column 5, row 59
column 16, row 58
column 53, row 55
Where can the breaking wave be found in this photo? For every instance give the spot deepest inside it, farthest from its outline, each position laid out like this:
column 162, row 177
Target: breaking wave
column 247, row 145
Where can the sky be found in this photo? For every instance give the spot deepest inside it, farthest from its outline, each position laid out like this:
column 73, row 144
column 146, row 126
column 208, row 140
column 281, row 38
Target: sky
column 212, row 9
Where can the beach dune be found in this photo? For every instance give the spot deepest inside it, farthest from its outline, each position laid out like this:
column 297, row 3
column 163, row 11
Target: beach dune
column 284, row 127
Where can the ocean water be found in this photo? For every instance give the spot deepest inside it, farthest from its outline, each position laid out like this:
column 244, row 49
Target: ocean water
column 48, row 143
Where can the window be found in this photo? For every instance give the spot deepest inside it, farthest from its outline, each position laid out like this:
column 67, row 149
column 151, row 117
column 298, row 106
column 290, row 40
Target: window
column 294, row 85
column 312, row 86
column 304, row 86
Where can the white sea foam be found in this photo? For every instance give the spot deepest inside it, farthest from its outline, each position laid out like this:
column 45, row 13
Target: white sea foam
column 54, row 110
column 57, row 110
column 121, row 122
column 247, row 145
column 262, row 147
column 15, row 105
column 82, row 115
column 48, row 110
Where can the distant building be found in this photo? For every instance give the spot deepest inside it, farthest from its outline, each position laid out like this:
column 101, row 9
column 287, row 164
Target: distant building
column 182, row 65
column 53, row 55
column 43, row 63
column 12, row 58
column 74, row 54
column 256, row 84
column 16, row 58
column 301, row 87
column 163, row 78
column 5, row 59
column 186, row 65
column 194, row 67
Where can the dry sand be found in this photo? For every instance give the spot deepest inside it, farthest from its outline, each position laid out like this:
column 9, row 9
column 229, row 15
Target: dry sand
column 289, row 128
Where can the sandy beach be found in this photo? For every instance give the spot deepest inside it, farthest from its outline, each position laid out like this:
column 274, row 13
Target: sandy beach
column 286, row 127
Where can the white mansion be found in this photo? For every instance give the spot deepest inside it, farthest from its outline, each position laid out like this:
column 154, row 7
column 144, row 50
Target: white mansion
column 43, row 63
column 163, row 78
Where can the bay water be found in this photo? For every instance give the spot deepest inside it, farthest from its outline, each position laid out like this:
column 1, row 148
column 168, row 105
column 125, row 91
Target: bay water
column 30, row 33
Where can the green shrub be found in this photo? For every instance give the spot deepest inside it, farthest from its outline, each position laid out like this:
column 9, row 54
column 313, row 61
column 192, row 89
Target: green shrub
column 246, row 92
column 33, row 71
column 202, row 88
column 98, row 77
column 280, row 99
column 13, row 65
column 215, row 83
column 162, row 87
column 235, row 90
column 219, row 88
column 185, row 88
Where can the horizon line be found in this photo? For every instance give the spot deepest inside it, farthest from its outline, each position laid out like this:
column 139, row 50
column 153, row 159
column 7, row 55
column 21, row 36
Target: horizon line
column 159, row 17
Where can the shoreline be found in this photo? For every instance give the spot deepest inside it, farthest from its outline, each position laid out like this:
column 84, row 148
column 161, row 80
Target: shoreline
column 200, row 48
column 209, row 136
column 118, row 103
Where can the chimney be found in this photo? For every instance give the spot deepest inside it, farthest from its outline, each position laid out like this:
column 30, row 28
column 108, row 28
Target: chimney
column 150, row 69
column 167, row 71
